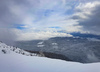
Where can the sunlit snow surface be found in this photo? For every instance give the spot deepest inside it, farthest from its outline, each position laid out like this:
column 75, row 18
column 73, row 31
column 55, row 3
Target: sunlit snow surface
column 15, row 62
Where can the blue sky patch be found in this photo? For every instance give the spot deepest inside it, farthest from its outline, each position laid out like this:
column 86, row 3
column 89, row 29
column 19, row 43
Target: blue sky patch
column 20, row 26
column 56, row 27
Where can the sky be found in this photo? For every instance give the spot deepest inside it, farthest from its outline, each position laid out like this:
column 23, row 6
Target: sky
column 43, row 19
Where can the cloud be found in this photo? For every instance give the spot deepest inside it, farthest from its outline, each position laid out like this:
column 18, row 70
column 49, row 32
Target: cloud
column 7, row 36
column 25, row 19
column 42, row 35
column 12, row 12
column 88, row 16
column 32, row 15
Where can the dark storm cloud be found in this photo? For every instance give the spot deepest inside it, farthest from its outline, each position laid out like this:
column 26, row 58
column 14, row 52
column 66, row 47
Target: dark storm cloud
column 92, row 21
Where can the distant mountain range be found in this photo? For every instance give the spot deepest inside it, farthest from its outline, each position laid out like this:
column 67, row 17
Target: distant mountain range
column 84, row 35
column 80, row 48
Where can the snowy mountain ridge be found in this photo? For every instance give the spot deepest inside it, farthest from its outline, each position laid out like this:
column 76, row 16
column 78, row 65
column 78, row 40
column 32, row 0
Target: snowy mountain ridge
column 5, row 49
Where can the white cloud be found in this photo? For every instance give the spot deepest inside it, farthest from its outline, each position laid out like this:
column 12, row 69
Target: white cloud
column 87, row 15
column 83, row 10
column 38, row 15
column 39, row 35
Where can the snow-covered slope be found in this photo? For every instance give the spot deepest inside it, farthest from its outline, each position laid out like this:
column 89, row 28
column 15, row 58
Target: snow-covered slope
column 5, row 49
column 10, row 61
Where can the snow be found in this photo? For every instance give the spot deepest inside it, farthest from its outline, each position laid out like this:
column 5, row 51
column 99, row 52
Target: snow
column 40, row 44
column 15, row 62
column 54, row 44
column 11, row 49
column 93, row 39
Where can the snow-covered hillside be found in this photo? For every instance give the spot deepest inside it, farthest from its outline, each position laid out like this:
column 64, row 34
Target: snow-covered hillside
column 5, row 49
column 13, row 60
